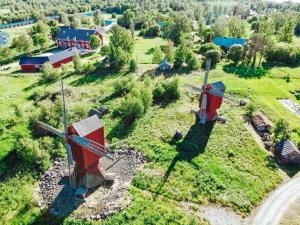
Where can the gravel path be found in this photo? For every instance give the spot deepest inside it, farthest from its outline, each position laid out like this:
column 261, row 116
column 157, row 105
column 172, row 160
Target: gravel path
column 102, row 201
column 291, row 105
column 272, row 210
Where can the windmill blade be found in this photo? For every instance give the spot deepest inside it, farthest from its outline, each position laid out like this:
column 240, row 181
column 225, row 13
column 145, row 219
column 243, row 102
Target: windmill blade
column 93, row 146
column 196, row 89
column 51, row 129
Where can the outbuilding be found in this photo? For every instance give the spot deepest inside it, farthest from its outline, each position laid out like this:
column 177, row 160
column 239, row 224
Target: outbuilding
column 165, row 66
column 227, row 42
column 287, row 152
column 35, row 63
column 76, row 37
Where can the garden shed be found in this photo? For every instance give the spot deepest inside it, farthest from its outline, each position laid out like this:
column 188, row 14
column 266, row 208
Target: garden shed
column 165, row 65
column 287, row 152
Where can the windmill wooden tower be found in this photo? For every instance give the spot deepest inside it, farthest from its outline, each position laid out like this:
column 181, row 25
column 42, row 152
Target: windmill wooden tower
column 211, row 98
column 85, row 146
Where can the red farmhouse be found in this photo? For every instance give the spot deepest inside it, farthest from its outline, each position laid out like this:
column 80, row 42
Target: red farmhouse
column 29, row 63
column 76, row 37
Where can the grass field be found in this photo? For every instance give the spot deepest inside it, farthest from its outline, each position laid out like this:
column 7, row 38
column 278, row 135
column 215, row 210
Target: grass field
column 216, row 163
column 144, row 48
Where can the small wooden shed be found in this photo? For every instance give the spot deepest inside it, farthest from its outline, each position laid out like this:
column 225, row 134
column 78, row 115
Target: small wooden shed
column 165, row 65
column 287, row 152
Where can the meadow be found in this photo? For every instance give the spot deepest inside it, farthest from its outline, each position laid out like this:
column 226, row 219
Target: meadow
column 216, row 163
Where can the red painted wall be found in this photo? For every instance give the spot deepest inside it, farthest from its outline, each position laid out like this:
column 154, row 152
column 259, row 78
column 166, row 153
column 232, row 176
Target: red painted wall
column 84, row 158
column 28, row 68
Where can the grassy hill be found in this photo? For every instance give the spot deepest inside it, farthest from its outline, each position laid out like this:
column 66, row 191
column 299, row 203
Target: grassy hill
column 216, row 163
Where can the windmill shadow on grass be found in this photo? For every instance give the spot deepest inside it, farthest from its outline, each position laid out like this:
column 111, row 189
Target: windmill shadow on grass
column 193, row 144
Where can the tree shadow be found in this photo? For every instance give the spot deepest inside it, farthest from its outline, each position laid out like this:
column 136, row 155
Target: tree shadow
column 245, row 71
column 290, row 169
column 120, row 131
column 100, row 74
column 193, row 144
column 150, row 51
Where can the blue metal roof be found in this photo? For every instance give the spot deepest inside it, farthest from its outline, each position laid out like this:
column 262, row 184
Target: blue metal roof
column 161, row 24
column 69, row 33
column 38, row 60
column 4, row 37
column 228, row 42
column 109, row 22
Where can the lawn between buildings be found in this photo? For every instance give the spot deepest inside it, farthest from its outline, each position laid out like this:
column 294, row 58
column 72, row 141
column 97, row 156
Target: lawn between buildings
column 220, row 163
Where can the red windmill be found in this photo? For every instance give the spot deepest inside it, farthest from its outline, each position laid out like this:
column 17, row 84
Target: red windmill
column 85, row 146
column 211, row 97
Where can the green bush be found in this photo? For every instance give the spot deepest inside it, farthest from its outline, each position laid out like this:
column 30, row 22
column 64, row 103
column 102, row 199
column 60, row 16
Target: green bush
column 166, row 92
column 132, row 65
column 206, row 47
column 88, row 68
column 250, row 109
column 123, row 86
column 49, row 73
column 30, row 152
column 284, row 53
column 214, row 56
column 130, row 109
column 281, row 130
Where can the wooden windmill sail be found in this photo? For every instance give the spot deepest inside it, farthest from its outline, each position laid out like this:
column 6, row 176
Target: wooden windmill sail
column 88, row 146
column 211, row 96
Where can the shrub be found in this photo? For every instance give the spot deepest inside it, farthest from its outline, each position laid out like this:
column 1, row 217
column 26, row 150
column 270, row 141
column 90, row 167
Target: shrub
column 283, row 53
column 132, row 65
column 123, row 86
column 214, row 56
column 88, row 68
column 235, row 53
column 206, row 47
column 287, row 78
column 130, row 109
column 281, row 130
column 191, row 61
column 166, row 92
column 250, row 109
column 49, row 73
column 30, row 152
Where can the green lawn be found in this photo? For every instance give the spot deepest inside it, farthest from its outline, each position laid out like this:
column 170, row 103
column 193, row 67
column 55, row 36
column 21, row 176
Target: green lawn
column 144, row 48
column 218, row 163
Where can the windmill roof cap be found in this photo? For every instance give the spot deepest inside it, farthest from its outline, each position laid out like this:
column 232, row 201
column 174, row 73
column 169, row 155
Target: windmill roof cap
column 219, row 85
column 88, row 125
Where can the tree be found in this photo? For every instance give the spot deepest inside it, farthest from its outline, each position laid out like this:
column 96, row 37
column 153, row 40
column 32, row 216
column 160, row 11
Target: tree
column 297, row 28
column 286, row 32
column 220, row 27
column 52, row 23
column 98, row 20
column 49, row 73
column 94, row 41
column 5, row 54
column 175, row 27
column 132, row 65
column 121, row 47
column 236, row 27
column 214, row 56
column 169, row 51
column 40, row 28
column 54, row 31
column 41, row 40
column 281, row 130
column 65, row 19
column 258, row 43
column 127, row 18
column 191, row 61
column 77, row 64
column 157, row 55
column 180, row 56
column 23, row 43
column 235, row 53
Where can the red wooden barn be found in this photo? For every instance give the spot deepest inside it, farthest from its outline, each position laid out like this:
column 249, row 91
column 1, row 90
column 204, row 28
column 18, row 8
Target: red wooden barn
column 35, row 63
column 76, row 37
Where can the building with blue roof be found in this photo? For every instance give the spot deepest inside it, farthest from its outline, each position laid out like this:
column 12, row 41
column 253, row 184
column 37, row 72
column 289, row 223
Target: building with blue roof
column 76, row 37
column 227, row 42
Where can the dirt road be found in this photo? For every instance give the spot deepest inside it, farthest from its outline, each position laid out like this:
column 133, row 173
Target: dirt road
column 272, row 210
